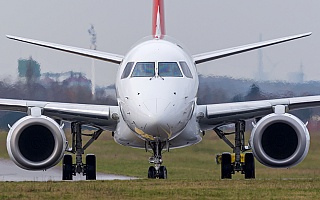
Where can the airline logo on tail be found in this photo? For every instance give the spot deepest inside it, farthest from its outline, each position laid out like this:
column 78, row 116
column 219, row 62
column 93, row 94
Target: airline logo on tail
column 158, row 27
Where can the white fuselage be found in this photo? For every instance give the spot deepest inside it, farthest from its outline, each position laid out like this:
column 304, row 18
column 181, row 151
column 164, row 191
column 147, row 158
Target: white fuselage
column 159, row 102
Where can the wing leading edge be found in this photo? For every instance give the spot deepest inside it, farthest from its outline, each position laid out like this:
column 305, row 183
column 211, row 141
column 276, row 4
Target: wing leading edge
column 205, row 57
column 218, row 114
column 113, row 58
column 96, row 115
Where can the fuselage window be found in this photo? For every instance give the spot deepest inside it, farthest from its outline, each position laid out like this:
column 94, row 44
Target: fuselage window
column 144, row 69
column 169, row 69
column 185, row 69
column 127, row 70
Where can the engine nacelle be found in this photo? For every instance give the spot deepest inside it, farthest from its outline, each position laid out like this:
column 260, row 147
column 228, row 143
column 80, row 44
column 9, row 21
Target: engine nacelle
column 280, row 140
column 36, row 143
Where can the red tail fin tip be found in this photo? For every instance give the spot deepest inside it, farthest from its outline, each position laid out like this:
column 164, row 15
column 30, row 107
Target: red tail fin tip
column 158, row 25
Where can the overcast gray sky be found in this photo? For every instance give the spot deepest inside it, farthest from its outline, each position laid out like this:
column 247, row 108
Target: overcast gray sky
column 201, row 25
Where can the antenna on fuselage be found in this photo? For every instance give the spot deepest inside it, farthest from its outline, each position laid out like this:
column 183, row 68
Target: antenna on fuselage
column 93, row 46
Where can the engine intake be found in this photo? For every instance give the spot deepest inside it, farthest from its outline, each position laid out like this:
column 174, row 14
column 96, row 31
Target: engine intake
column 36, row 143
column 280, row 140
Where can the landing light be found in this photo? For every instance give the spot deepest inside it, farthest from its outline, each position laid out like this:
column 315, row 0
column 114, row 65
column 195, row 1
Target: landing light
column 115, row 116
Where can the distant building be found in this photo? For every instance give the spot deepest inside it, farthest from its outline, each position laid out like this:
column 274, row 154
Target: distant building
column 29, row 69
column 69, row 79
column 77, row 79
column 46, row 81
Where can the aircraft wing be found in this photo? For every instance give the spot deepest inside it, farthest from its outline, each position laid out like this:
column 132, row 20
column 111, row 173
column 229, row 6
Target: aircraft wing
column 219, row 114
column 205, row 57
column 95, row 115
column 114, row 58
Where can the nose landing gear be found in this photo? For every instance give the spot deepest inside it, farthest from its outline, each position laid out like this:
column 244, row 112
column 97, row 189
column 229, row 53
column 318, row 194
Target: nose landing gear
column 157, row 171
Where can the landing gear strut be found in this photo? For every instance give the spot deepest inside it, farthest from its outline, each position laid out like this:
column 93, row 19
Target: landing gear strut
column 238, row 161
column 70, row 169
column 157, row 171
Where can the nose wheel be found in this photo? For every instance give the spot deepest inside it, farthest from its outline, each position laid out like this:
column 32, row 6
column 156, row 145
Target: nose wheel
column 152, row 172
column 157, row 171
column 161, row 173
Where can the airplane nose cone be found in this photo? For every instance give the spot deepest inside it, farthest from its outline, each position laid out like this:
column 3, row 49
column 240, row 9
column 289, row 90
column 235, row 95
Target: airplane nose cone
column 156, row 122
column 160, row 118
column 156, row 107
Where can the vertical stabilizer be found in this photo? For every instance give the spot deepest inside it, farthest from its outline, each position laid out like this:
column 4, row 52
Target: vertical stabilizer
column 158, row 26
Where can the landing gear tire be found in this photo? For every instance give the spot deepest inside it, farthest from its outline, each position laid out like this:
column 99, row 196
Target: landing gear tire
column 88, row 169
column 157, row 171
column 163, row 172
column 226, row 167
column 91, row 167
column 152, row 173
column 67, row 167
column 240, row 162
column 249, row 167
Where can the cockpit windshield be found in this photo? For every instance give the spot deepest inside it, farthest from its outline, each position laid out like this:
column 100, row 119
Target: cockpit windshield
column 144, row 69
column 127, row 70
column 169, row 69
column 186, row 69
column 149, row 69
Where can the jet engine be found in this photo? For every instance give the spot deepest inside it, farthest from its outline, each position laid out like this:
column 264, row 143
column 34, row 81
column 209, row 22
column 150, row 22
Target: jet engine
column 280, row 140
column 36, row 143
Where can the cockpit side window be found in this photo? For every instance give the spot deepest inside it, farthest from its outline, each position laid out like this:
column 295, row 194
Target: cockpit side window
column 169, row 69
column 185, row 69
column 144, row 69
column 127, row 70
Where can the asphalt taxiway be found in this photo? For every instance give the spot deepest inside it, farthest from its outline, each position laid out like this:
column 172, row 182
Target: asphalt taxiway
column 10, row 172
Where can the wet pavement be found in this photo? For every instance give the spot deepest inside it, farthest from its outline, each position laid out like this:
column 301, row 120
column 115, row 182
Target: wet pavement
column 10, row 172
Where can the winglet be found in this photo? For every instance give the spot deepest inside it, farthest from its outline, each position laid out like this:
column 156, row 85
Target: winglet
column 158, row 25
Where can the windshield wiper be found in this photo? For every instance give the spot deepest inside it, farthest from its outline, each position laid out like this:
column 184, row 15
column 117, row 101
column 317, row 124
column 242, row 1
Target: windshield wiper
column 160, row 77
column 152, row 77
column 156, row 76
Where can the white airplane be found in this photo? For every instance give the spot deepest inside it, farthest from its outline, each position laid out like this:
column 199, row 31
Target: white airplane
column 156, row 87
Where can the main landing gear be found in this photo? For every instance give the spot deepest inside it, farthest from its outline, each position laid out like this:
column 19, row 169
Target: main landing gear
column 238, row 161
column 70, row 169
column 157, row 171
